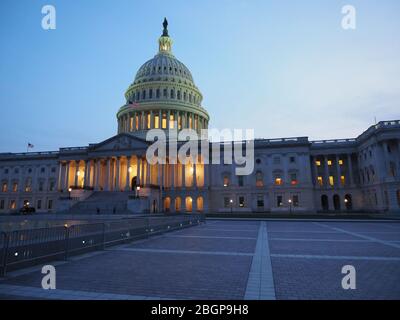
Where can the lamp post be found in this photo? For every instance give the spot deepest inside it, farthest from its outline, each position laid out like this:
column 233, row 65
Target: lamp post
column 69, row 193
column 290, row 206
column 231, row 202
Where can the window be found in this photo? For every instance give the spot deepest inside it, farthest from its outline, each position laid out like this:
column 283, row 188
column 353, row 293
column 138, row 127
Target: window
column 227, row 202
column 342, row 180
column 278, row 181
column 293, row 179
column 292, row 159
column 331, row 181
column 329, row 162
column 13, row 204
column 179, row 95
column 39, row 204
column 279, row 202
column 158, row 93
column 1, row 204
column 258, row 161
column 52, row 186
column 295, row 200
column 172, row 94
column 320, row 181
column 29, row 170
column 259, row 179
column 151, row 94
column 4, row 187
column 42, row 170
column 164, row 121
column 41, row 184
column 260, row 201
column 16, row 170
column 277, row 160
column 15, row 187
column 318, row 163
column 241, row 202
column 165, row 93
column 50, row 205
column 340, row 162
column 226, row 181
column 5, row 171
column 240, row 181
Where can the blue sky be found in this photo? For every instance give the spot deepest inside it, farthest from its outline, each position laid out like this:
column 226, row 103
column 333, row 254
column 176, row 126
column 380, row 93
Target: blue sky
column 285, row 68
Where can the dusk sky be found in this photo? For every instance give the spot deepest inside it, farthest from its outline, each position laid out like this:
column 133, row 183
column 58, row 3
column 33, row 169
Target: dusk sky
column 284, row 68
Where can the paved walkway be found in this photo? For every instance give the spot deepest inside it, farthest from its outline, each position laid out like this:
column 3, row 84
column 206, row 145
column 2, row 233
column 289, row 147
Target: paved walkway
column 225, row 259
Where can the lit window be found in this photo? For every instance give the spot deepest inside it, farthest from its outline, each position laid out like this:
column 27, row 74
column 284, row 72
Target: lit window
column 329, row 162
column 331, row 181
column 4, row 187
column 259, row 180
column 164, row 121
column 318, row 163
column 340, row 162
column 13, row 204
column 293, row 179
column 241, row 202
column 226, row 181
column 148, row 121
column 171, row 121
column 320, row 181
column 342, row 180
column 157, row 121
column 278, row 181
column 15, row 187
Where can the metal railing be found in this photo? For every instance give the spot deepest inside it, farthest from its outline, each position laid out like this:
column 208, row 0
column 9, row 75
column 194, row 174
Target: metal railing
column 23, row 248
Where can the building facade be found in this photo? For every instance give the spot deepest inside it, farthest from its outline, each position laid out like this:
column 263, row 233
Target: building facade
column 290, row 174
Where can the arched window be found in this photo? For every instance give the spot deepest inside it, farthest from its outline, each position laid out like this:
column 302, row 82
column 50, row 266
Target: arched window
column 200, row 205
column 324, row 202
column 144, row 94
column 178, row 204
column 348, row 202
column 151, row 94
column 179, row 95
column 188, row 204
column 190, row 97
column 158, row 93
column 165, row 93
column 398, row 197
column 185, row 96
column 336, row 202
column 167, row 204
column 4, row 187
column 172, row 95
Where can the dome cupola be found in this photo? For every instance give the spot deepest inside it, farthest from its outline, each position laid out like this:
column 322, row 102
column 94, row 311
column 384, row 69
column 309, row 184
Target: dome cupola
column 162, row 95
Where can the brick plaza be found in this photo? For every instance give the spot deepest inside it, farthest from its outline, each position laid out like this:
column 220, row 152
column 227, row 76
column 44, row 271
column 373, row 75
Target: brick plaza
column 231, row 259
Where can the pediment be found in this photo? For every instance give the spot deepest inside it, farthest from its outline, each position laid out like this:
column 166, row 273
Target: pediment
column 121, row 141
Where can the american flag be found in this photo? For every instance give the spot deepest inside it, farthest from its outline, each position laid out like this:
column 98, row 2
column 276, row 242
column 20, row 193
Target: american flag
column 30, row 145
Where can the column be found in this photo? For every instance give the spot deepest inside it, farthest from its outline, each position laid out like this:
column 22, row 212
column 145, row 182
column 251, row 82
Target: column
column 76, row 173
column 338, row 171
column 326, row 171
column 159, row 119
column 59, row 187
column 173, row 178
column 350, row 168
column 315, row 169
column 183, row 176
column 148, row 167
column 138, row 171
column 117, row 180
column 66, row 182
column 128, row 166
column 195, row 173
column 107, row 183
column 168, row 118
column 87, row 174
column 143, row 122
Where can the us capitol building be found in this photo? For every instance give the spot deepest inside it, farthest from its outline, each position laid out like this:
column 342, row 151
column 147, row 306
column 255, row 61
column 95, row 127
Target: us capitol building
column 290, row 174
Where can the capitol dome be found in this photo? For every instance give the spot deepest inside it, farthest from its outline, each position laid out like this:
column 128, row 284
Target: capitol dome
column 163, row 95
